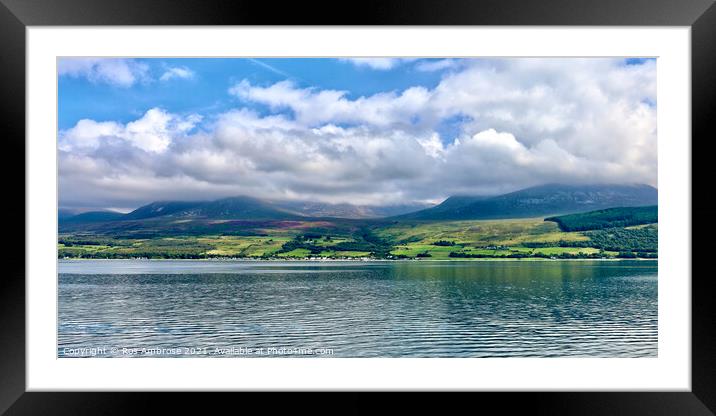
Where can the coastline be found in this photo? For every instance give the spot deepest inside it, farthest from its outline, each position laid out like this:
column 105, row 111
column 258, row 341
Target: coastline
column 367, row 260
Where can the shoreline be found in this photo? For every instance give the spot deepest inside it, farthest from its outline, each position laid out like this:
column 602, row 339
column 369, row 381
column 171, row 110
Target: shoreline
column 461, row 260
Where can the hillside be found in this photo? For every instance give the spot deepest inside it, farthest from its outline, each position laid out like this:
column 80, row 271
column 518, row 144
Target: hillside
column 452, row 207
column 607, row 218
column 240, row 207
column 538, row 201
column 237, row 208
column 251, row 228
column 325, row 210
column 160, row 208
column 63, row 214
column 243, row 215
column 90, row 217
column 439, row 240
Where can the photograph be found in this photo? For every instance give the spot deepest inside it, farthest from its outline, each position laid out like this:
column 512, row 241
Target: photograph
column 497, row 198
column 355, row 207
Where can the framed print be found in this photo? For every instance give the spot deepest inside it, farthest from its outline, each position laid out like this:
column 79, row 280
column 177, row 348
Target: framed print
column 493, row 198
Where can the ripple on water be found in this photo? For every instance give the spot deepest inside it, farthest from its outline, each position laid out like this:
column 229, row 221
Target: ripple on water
column 400, row 309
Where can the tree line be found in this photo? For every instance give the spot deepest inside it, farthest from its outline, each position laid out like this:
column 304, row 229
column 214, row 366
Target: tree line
column 607, row 218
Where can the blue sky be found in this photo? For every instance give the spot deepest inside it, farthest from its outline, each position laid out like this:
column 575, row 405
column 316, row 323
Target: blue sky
column 372, row 131
column 207, row 89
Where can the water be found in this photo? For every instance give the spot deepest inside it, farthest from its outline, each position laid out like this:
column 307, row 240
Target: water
column 117, row 308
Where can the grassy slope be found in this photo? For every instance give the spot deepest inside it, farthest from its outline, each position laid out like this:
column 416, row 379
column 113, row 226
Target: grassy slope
column 607, row 218
column 489, row 237
column 479, row 237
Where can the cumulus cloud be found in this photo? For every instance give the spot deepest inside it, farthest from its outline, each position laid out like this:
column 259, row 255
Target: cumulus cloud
column 522, row 122
column 118, row 72
column 178, row 72
column 153, row 132
column 317, row 107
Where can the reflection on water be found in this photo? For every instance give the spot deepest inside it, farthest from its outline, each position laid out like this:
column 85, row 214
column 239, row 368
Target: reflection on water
column 358, row 309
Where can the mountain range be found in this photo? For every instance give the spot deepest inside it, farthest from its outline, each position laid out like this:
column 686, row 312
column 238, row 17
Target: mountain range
column 552, row 199
column 536, row 201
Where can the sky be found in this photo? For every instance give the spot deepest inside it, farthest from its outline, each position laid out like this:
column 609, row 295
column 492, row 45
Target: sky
column 365, row 131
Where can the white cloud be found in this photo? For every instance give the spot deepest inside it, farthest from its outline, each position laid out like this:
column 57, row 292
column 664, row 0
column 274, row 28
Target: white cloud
column 591, row 107
column 522, row 123
column 436, row 65
column 432, row 145
column 380, row 64
column 178, row 72
column 118, row 72
column 317, row 107
column 87, row 134
column 152, row 133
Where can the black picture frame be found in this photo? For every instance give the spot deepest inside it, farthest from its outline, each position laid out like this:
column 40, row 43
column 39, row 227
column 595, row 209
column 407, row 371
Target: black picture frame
column 16, row 15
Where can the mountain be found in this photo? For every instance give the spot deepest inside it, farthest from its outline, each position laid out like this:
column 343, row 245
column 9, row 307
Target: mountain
column 325, row 210
column 237, row 214
column 241, row 207
column 232, row 214
column 537, row 201
column 161, row 208
column 63, row 214
column 91, row 217
column 454, row 204
column 244, row 208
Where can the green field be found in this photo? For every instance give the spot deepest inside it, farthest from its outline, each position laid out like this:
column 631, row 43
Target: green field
column 435, row 240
